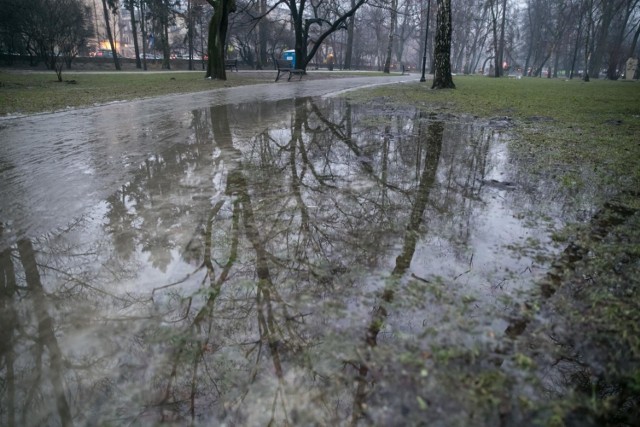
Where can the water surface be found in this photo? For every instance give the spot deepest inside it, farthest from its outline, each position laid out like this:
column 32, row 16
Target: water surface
column 293, row 261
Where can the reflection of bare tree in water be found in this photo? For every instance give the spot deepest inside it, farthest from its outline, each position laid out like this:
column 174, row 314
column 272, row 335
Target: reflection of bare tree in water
column 48, row 360
column 301, row 228
column 8, row 330
column 273, row 329
column 433, row 145
column 272, row 232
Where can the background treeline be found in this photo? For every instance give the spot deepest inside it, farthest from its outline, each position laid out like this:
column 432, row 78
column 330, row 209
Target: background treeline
column 590, row 38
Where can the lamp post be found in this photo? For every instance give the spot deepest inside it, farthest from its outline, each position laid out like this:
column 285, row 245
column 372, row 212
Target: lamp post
column 426, row 42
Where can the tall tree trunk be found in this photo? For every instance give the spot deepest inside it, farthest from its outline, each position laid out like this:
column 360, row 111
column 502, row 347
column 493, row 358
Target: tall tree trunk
column 556, row 64
column 164, row 35
column 501, row 45
column 116, row 60
column 262, row 37
column 134, row 31
column 577, row 45
column 392, row 30
column 496, row 44
column 526, row 71
column 143, row 29
column 190, row 22
column 442, row 77
column 609, row 9
column 587, row 53
column 350, row 36
column 634, row 43
column 615, row 51
column 300, row 32
column 217, row 37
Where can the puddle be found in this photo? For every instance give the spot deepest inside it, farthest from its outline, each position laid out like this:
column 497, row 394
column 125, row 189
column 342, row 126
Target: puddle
column 294, row 262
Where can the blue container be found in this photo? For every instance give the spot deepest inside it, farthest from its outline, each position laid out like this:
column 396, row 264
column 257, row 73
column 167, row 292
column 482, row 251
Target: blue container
column 290, row 55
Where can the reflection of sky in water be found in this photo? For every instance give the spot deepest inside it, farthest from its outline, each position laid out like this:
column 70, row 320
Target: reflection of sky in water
column 304, row 214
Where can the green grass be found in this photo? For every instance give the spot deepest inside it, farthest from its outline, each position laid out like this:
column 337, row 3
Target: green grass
column 564, row 100
column 35, row 92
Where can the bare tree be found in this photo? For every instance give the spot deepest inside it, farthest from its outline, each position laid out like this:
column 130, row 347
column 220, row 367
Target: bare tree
column 392, row 30
column 130, row 5
column 588, row 37
column 473, row 31
column 409, row 15
column 107, row 7
column 53, row 31
column 348, row 56
column 162, row 14
column 621, row 23
column 498, row 12
column 304, row 15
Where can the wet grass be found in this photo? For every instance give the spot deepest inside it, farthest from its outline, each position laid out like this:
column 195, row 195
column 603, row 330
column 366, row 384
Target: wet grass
column 27, row 92
column 582, row 136
column 562, row 125
column 35, row 92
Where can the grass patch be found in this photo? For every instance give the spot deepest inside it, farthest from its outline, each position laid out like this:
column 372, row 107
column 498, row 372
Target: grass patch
column 35, row 92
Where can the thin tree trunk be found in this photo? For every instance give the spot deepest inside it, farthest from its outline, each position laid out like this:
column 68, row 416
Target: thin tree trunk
column 500, row 71
column 350, row 35
column 190, row 33
column 164, row 36
column 261, row 63
column 494, row 30
column 575, row 49
column 587, row 53
column 116, row 60
column 143, row 29
column 634, row 43
column 134, row 31
column 392, row 30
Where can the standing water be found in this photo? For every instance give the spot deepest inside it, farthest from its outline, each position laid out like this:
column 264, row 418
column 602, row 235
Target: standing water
column 291, row 262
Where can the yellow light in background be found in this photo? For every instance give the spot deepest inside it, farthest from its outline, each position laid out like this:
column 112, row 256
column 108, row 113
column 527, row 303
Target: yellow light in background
column 105, row 45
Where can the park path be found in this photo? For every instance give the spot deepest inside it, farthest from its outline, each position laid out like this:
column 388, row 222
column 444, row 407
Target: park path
column 55, row 166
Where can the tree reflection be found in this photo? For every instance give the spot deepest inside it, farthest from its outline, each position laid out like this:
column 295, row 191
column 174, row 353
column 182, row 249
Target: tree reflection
column 433, row 147
column 232, row 271
column 18, row 332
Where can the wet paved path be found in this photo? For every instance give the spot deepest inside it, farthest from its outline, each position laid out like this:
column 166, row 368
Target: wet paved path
column 55, row 166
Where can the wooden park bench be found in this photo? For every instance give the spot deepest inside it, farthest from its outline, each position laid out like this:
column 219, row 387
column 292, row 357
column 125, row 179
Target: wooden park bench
column 230, row 64
column 285, row 66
